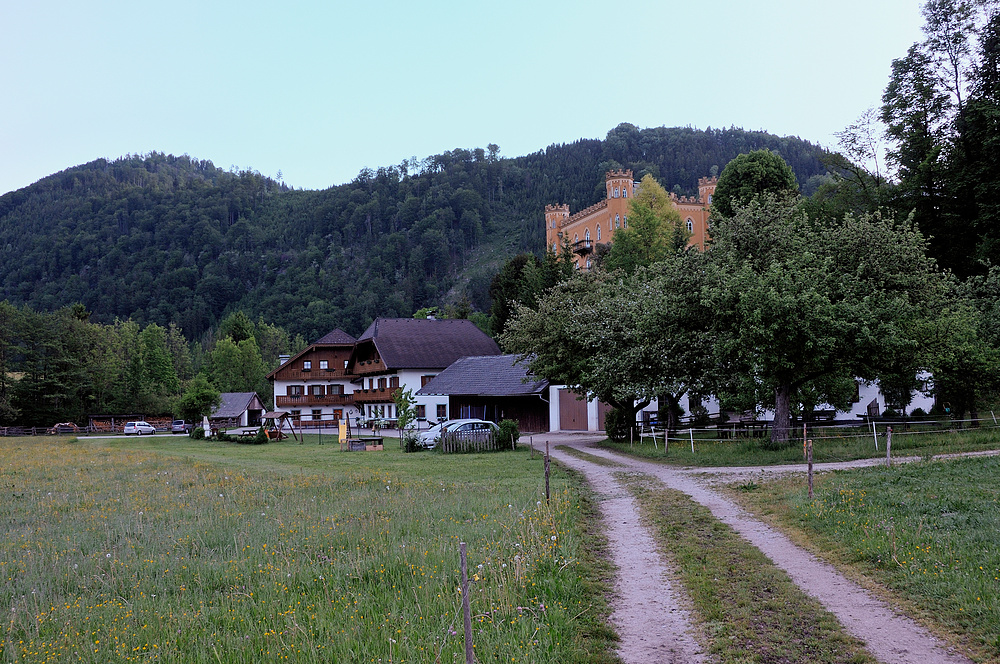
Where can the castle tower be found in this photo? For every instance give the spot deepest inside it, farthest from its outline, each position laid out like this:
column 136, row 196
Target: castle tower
column 619, row 184
column 555, row 216
column 706, row 188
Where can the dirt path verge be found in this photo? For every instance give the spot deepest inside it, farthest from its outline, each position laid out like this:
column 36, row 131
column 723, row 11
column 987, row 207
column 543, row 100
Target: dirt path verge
column 892, row 638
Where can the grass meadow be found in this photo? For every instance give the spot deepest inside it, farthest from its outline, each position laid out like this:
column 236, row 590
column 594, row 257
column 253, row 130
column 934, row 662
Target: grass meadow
column 926, row 533
column 829, row 444
column 168, row 549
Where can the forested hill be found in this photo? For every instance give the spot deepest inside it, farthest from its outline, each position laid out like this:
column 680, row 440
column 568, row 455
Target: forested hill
column 164, row 239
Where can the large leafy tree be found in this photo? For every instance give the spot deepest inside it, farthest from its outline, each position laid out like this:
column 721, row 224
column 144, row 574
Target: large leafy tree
column 751, row 175
column 654, row 230
column 622, row 339
column 803, row 305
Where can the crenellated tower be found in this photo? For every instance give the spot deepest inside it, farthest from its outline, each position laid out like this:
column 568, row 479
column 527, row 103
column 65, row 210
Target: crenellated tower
column 555, row 217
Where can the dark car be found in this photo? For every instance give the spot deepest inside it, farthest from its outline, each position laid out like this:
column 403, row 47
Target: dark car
column 180, row 426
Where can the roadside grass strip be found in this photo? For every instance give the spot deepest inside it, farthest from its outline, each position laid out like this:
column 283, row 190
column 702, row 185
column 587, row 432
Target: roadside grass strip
column 123, row 551
column 748, row 609
column 929, row 532
column 589, row 458
column 829, row 444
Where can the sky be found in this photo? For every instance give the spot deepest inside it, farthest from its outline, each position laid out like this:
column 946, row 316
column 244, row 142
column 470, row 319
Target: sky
column 319, row 90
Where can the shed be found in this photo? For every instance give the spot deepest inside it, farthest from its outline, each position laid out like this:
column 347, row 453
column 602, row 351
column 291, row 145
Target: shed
column 237, row 409
column 493, row 387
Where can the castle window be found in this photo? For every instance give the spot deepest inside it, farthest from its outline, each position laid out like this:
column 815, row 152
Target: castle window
column 617, row 221
column 555, row 247
column 710, row 199
column 588, row 263
column 576, row 238
column 598, row 232
column 624, row 192
column 587, row 238
column 690, row 226
column 625, row 222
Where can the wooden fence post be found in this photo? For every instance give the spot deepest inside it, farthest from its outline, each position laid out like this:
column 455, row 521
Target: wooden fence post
column 546, row 471
column 466, row 610
column 809, row 459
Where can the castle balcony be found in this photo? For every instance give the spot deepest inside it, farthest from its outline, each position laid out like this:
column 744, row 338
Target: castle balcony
column 583, row 247
column 314, row 400
column 375, row 395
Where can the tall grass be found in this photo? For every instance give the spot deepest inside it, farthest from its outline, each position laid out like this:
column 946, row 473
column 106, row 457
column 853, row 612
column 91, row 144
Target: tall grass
column 137, row 551
column 928, row 531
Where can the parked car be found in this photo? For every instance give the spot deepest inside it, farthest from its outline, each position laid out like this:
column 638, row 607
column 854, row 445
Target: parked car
column 139, row 428
column 471, row 428
column 429, row 437
column 180, row 426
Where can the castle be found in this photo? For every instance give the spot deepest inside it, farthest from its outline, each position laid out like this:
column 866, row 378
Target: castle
column 598, row 223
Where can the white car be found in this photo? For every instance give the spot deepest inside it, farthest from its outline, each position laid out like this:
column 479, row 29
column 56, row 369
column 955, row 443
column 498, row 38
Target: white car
column 139, row 428
column 429, row 437
column 465, row 429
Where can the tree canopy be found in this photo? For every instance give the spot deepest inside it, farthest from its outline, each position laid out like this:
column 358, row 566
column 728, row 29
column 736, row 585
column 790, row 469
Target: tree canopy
column 751, row 175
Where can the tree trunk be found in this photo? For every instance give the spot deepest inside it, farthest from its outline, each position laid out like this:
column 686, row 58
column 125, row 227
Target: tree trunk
column 673, row 407
column 782, row 414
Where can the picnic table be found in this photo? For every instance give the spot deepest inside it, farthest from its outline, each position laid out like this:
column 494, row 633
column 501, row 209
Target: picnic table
column 362, row 444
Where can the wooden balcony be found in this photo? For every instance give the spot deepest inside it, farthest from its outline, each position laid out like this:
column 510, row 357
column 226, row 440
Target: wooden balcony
column 375, row 395
column 314, row 400
column 288, row 373
column 366, row 367
column 582, row 247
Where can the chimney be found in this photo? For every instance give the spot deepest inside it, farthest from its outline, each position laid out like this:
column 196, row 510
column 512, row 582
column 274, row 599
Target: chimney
column 282, row 359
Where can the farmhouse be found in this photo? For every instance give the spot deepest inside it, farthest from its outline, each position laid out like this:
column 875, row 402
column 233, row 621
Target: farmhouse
column 237, row 409
column 339, row 376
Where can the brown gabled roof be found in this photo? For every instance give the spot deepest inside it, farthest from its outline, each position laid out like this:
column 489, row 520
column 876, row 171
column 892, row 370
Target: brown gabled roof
column 336, row 338
column 424, row 343
column 490, row 376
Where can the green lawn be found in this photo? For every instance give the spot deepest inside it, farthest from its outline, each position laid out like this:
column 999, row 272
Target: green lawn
column 928, row 532
column 828, row 445
column 171, row 549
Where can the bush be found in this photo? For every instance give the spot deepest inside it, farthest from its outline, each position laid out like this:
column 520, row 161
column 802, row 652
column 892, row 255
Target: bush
column 410, row 443
column 509, row 434
column 918, row 412
column 615, row 425
column 198, row 433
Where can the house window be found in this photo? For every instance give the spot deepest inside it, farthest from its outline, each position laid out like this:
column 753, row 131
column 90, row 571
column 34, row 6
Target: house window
column 324, row 365
column 307, row 365
column 296, row 414
column 317, row 390
column 381, row 383
column 421, row 412
column 335, row 389
column 443, row 407
column 317, row 414
column 294, row 391
column 690, row 226
column 425, row 379
column 371, row 383
column 394, row 381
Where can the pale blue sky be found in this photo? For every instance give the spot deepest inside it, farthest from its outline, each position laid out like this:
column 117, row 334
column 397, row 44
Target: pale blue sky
column 320, row 90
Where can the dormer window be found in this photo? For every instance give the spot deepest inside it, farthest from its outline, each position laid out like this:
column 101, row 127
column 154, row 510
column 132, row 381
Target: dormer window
column 307, row 365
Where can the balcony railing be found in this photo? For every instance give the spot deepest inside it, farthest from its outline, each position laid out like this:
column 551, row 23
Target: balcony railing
column 582, row 247
column 375, row 395
column 314, row 400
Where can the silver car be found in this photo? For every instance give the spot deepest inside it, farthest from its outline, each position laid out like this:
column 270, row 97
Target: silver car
column 430, row 437
column 139, row 428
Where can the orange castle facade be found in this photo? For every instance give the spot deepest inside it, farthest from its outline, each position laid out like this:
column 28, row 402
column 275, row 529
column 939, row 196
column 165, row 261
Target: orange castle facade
column 598, row 223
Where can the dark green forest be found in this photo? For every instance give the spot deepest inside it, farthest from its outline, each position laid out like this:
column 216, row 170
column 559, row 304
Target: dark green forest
column 161, row 239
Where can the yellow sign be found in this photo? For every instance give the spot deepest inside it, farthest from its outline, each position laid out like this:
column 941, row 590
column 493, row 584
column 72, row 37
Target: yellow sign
column 343, row 431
